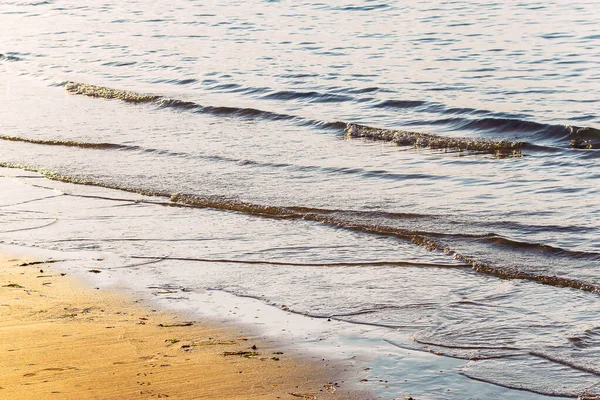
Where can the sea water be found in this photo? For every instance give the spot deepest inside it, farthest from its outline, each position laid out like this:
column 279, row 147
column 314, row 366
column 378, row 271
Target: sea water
column 423, row 175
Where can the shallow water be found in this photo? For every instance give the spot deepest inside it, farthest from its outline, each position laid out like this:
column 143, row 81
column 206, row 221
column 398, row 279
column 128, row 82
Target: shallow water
column 484, row 255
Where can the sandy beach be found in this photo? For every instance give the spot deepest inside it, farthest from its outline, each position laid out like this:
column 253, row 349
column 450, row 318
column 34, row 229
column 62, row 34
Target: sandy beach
column 60, row 339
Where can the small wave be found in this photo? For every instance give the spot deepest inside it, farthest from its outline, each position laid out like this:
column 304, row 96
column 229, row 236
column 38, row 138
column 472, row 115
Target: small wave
column 335, row 125
column 98, row 146
column 371, row 89
column 550, row 280
column 68, row 143
column 400, row 104
column 164, row 102
column 542, row 248
column 501, row 125
column 178, row 104
column 247, row 112
column 56, row 176
column 583, row 137
column 226, row 87
column 491, row 124
column 296, row 264
column 333, row 218
column 547, row 377
column 431, row 141
column 106, row 93
column 176, row 81
column 578, row 137
column 58, row 83
column 586, row 339
column 464, row 110
column 313, row 97
column 567, row 362
column 184, row 81
column 119, row 63
column 428, row 341
column 361, row 8
column 223, row 110
column 8, row 57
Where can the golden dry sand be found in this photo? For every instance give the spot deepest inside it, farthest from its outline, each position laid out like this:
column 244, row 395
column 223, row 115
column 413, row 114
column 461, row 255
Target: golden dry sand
column 59, row 340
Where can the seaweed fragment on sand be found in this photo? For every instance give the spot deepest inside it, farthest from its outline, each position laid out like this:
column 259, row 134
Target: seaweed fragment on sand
column 214, row 343
column 175, row 325
column 330, row 387
column 304, row 396
column 13, row 285
column 27, row 264
column 246, row 354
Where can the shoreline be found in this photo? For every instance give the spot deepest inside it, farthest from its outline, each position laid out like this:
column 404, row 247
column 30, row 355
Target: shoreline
column 91, row 228
column 64, row 340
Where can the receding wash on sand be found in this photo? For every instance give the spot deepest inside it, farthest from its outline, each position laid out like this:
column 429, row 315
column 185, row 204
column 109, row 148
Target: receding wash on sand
column 113, row 336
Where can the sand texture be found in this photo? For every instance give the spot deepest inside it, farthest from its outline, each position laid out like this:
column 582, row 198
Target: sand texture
column 61, row 340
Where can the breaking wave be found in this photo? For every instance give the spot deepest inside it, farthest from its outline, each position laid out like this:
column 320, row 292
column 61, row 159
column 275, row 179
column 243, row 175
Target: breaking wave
column 346, row 219
column 427, row 140
column 67, row 143
column 106, row 93
column 536, row 133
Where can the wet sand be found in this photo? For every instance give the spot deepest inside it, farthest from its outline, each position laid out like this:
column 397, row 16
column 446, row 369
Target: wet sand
column 59, row 339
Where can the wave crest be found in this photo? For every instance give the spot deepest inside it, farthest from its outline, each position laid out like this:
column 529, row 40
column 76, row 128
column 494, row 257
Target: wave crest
column 8, row 57
column 85, row 89
column 583, row 137
column 431, row 141
column 334, row 218
column 67, row 143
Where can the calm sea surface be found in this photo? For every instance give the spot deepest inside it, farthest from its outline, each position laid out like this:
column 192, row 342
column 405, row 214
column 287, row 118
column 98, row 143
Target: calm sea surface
column 479, row 241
